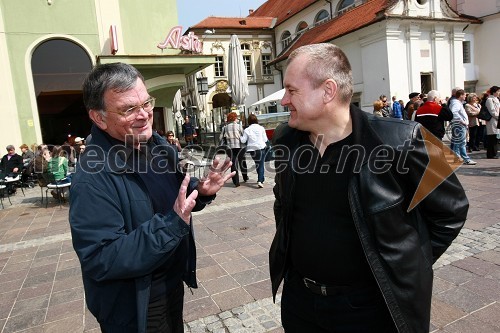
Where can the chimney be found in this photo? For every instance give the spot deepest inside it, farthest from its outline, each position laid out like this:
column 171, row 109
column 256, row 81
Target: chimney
column 250, row 11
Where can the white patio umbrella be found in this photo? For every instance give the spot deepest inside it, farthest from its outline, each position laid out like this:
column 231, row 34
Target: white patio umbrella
column 177, row 106
column 237, row 75
column 275, row 96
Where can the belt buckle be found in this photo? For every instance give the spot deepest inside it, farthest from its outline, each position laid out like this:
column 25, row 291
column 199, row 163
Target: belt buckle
column 322, row 287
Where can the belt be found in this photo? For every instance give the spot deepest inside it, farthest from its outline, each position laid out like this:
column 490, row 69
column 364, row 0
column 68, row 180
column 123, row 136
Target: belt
column 324, row 290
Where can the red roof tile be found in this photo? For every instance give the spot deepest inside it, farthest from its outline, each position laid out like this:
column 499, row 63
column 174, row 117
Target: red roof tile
column 281, row 9
column 215, row 22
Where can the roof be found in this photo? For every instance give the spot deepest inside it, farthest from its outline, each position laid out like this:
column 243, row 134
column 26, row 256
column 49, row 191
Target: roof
column 281, row 9
column 361, row 16
column 217, row 22
column 352, row 20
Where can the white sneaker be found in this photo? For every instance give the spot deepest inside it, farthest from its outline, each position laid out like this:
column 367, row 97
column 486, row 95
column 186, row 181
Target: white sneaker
column 470, row 162
column 260, row 185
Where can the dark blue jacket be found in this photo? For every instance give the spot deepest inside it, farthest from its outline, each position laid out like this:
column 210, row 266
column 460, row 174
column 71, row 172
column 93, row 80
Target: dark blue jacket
column 117, row 236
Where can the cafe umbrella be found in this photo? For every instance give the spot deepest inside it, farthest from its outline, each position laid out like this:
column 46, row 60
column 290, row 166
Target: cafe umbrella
column 237, row 75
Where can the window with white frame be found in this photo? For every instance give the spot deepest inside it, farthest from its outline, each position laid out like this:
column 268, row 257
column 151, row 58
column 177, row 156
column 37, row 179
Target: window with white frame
column 219, row 66
column 321, row 16
column 245, row 47
column 285, row 39
column 301, row 27
column 247, row 60
column 266, row 59
column 345, row 5
column 466, row 51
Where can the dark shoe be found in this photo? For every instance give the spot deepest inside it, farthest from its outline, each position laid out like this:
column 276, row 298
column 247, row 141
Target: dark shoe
column 245, row 178
column 236, row 185
column 492, row 158
column 54, row 194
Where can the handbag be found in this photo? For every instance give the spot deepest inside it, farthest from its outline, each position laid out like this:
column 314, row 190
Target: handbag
column 484, row 114
column 268, row 152
column 223, row 140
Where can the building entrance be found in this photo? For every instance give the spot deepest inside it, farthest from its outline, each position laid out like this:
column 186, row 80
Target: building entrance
column 59, row 67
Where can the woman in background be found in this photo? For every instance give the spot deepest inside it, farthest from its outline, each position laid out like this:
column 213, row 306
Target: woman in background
column 255, row 137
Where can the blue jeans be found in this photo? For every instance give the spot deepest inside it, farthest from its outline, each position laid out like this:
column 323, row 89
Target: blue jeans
column 458, row 140
column 258, row 158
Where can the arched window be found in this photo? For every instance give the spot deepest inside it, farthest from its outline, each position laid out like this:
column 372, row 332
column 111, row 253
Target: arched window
column 344, row 5
column 285, row 39
column 301, row 27
column 322, row 15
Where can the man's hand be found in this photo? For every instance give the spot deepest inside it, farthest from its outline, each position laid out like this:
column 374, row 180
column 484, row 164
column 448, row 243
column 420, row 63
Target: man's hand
column 215, row 179
column 182, row 205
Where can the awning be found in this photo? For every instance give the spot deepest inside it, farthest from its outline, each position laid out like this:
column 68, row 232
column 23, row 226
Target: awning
column 276, row 96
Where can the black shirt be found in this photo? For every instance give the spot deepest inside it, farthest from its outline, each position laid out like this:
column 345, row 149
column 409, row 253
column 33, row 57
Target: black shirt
column 324, row 244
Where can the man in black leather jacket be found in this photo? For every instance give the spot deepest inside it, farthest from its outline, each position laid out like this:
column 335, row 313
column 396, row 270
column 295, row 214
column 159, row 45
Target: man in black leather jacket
column 356, row 236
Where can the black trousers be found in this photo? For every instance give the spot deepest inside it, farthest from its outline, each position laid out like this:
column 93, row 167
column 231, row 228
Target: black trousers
column 165, row 313
column 361, row 310
column 491, row 146
column 238, row 159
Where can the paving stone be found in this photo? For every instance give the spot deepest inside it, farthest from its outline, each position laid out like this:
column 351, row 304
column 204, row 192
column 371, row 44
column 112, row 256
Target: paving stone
column 463, row 299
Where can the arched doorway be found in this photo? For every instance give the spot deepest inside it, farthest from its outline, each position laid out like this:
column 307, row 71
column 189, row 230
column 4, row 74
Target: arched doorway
column 59, row 67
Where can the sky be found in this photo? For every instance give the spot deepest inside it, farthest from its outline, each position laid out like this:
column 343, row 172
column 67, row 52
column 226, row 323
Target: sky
column 191, row 12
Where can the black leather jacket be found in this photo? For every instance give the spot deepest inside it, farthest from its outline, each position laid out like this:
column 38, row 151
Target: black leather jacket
column 400, row 246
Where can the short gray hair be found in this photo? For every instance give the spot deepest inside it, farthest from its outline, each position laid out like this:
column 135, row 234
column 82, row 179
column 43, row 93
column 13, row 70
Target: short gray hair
column 432, row 95
column 327, row 61
column 10, row 147
column 117, row 76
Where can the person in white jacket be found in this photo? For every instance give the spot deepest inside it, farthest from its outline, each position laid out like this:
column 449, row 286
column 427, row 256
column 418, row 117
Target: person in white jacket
column 459, row 125
column 493, row 106
column 255, row 137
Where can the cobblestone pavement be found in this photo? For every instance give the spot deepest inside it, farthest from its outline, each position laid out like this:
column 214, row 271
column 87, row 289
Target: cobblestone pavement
column 40, row 278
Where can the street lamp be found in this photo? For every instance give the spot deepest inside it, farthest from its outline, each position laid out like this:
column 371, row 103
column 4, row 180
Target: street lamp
column 202, row 84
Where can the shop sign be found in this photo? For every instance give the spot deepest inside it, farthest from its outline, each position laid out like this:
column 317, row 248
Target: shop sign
column 176, row 40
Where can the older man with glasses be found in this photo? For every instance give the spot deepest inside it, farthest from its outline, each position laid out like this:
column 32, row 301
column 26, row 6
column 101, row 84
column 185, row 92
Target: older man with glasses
column 131, row 207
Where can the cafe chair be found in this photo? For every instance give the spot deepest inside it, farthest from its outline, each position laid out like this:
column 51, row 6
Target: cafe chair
column 4, row 192
column 51, row 184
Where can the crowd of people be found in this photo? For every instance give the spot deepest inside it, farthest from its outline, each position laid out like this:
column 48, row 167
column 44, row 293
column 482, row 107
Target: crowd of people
column 42, row 164
column 469, row 130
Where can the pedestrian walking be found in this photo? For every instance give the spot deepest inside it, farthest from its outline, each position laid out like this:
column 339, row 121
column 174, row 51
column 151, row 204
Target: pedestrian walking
column 230, row 137
column 255, row 137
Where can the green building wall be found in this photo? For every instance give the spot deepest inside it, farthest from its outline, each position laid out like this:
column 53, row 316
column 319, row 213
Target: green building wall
column 25, row 24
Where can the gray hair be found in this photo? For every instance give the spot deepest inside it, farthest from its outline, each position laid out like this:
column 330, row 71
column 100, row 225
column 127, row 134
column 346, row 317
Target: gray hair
column 327, row 61
column 117, row 76
column 470, row 97
column 10, row 147
column 433, row 95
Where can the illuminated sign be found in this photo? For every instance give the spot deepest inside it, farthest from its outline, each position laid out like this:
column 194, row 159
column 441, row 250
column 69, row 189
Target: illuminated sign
column 176, row 40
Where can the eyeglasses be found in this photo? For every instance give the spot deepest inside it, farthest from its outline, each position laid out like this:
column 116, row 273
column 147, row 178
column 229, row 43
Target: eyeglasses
column 131, row 113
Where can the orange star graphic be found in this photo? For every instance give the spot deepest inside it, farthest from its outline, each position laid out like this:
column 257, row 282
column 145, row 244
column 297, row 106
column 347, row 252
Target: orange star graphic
column 442, row 163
